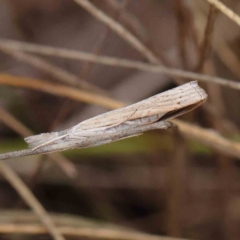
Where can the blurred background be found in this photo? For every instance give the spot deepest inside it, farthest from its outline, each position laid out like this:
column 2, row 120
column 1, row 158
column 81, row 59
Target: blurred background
column 174, row 183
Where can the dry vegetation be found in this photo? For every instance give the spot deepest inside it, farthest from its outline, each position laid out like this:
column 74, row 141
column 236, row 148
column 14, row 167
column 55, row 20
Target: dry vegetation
column 64, row 61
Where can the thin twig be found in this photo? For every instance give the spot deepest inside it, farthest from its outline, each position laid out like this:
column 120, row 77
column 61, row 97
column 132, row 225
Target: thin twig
column 30, row 199
column 119, row 29
column 207, row 137
column 116, row 62
column 225, row 10
column 9, row 120
column 59, row 90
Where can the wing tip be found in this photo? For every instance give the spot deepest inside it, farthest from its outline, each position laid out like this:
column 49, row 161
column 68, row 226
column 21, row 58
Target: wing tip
column 201, row 91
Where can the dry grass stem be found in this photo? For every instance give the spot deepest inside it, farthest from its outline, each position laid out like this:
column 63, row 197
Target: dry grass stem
column 13, row 123
column 9, row 120
column 30, row 199
column 223, row 49
column 179, row 10
column 54, row 71
column 129, row 20
column 210, row 138
column 119, row 29
column 116, row 62
column 228, row 56
column 207, row 39
column 59, row 90
column 84, row 232
column 87, row 66
column 225, row 10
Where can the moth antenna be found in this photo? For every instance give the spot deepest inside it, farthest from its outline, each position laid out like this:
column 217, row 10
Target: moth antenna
column 36, row 141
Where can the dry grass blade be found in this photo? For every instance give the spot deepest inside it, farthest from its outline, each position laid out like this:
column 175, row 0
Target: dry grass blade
column 228, row 56
column 87, row 67
column 116, row 62
column 207, row 40
column 225, row 10
column 209, row 138
column 129, row 19
column 13, row 123
column 59, row 90
column 92, row 233
column 72, row 226
column 54, row 71
column 179, row 10
column 29, row 198
column 119, row 29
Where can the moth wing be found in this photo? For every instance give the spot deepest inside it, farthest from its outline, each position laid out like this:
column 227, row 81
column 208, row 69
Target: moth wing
column 180, row 97
column 162, row 103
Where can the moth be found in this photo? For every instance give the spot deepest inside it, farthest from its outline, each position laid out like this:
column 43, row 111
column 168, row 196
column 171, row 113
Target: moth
column 133, row 120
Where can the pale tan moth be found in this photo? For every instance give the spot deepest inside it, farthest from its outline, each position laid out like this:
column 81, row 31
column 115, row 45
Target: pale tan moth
column 133, row 120
column 129, row 121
